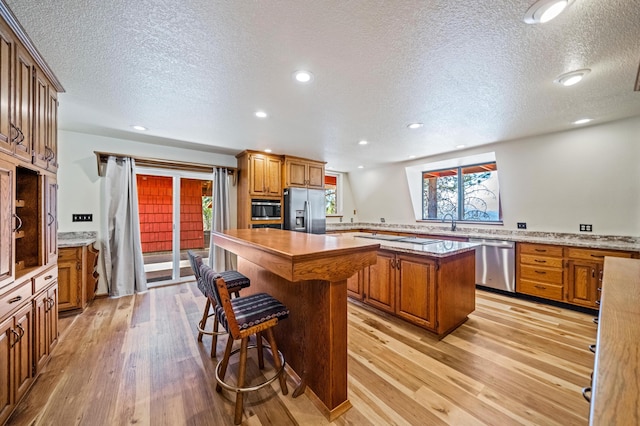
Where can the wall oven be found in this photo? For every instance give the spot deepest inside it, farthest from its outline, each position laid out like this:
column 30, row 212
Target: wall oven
column 266, row 209
column 266, row 225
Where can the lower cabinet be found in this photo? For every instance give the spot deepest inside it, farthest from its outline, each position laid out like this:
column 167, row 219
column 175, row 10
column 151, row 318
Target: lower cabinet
column 77, row 278
column 565, row 274
column 46, row 325
column 434, row 293
column 16, row 359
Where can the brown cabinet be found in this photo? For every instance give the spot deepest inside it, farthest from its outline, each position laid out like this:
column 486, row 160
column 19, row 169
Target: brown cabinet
column 265, row 175
column 416, row 290
column 566, row 274
column 16, row 359
column 434, row 293
column 28, row 212
column 299, row 172
column 379, row 282
column 77, row 277
column 46, row 325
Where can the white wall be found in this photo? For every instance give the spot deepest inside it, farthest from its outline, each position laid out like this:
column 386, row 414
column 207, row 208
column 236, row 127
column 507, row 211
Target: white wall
column 347, row 208
column 553, row 183
column 80, row 187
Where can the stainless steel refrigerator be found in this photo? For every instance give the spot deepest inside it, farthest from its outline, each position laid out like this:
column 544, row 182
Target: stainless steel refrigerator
column 304, row 210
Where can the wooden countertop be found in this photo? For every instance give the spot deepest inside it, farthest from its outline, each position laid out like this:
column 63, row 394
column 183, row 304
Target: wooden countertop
column 298, row 256
column 616, row 381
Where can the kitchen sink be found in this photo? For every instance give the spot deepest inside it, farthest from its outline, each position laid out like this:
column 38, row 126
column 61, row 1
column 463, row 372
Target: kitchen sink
column 381, row 237
column 417, row 240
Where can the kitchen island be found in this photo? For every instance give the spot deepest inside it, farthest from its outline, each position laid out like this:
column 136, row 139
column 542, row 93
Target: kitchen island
column 434, row 285
column 308, row 273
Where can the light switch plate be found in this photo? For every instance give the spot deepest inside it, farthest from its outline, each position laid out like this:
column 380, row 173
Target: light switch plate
column 586, row 228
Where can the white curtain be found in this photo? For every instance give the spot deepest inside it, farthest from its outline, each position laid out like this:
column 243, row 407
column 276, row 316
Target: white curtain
column 124, row 265
column 220, row 259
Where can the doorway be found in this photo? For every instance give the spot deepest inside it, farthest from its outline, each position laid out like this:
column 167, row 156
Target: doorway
column 175, row 209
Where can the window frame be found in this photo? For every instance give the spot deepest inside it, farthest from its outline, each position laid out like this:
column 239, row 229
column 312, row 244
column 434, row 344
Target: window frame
column 338, row 177
column 460, row 194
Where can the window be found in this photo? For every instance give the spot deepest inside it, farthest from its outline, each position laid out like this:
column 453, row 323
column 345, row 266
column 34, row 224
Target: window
column 467, row 193
column 331, row 194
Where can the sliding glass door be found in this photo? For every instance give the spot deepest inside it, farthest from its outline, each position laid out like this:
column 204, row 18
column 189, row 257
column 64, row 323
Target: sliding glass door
column 175, row 216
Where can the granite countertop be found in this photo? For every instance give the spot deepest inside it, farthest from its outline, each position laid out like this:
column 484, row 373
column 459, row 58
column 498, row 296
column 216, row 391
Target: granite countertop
column 76, row 239
column 442, row 248
column 611, row 242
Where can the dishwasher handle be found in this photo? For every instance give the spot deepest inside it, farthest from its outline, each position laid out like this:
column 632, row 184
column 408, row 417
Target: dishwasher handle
column 508, row 245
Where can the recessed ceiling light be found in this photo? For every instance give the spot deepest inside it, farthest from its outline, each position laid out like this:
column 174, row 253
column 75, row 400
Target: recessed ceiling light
column 545, row 10
column 140, row 128
column 412, row 156
column 460, row 146
column 363, row 142
column 583, row 121
column 571, row 78
column 415, row 125
column 361, row 167
column 261, row 114
column 267, row 150
column 303, row 76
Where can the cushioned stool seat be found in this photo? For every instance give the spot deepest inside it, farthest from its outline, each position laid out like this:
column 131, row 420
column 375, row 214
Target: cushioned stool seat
column 243, row 317
column 235, row 282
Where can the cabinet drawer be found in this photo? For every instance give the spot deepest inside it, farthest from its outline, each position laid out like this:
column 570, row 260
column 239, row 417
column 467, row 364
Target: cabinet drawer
column 547, row 262
column 541, row 249
column 14, row 298
column 72, row 253
column 536, row 273
column 595, row 255
column 546, row 290
column 43, row 280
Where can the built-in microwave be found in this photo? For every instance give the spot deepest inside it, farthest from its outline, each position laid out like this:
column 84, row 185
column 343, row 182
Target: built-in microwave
column 265, row 209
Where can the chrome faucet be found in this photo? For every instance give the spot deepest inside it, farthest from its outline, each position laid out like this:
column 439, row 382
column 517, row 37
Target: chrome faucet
column 453, row 221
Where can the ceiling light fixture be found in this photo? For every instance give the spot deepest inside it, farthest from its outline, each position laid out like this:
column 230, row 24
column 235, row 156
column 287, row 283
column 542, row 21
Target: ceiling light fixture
column 267, row 150
column 460, row 146
column 545, row 10
column 261, row 114
column 303, row 76
column 139, row 128
column 571, row 78
column 412, row 156
column 415, row 125
column 361, row 167
column 363, row 142
column 583, row 121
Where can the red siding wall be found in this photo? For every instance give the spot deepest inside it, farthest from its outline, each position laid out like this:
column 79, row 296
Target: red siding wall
column 155, row 195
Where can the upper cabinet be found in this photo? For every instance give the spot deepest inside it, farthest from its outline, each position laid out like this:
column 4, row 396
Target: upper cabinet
column 265, row 175
column 45, row 140
column 299, row 172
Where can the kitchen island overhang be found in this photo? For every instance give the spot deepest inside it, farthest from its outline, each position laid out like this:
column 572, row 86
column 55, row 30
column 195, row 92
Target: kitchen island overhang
column 308, row 273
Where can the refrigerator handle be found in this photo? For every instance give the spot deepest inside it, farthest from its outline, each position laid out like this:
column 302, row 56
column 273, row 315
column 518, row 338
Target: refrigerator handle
column 307, row 217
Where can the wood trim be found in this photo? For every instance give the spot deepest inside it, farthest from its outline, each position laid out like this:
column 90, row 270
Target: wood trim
column 102, row 157
column 13, row 23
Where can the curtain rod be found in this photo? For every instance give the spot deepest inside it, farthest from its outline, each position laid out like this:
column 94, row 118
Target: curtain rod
column 102, row 158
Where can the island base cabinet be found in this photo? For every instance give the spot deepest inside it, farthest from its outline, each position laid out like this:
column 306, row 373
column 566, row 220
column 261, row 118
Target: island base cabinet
column 379, row 282
column 434, row 293
column 416, row 291
column 355, row 286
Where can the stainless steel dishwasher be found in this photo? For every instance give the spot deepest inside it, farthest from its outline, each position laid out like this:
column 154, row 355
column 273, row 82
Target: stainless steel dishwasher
column 495, row 264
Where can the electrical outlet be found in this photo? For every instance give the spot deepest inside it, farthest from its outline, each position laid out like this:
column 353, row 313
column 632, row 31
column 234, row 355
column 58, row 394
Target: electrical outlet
column 522, row 225
column 382, row 220
column 586, row 228
column 82, row 217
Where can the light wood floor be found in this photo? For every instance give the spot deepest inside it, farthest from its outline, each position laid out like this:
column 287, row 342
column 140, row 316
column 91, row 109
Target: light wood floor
column 135, row 360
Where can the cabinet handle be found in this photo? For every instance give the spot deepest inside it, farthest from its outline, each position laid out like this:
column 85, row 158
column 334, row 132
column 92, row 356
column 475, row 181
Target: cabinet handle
column 540, row 272
column 53, row 219
column 48, row 277
column 593, row 273
column 15, row 342
column 21, row 330
column 19, row 225
column 541, row 287
column 540, row 261
column 592, row 348
column 596, row 320
column 586, row 391
column 598, row 256
column 541, row 250
column 598, row 302
column 393, row 264
column 15, row 299
column 19, row 135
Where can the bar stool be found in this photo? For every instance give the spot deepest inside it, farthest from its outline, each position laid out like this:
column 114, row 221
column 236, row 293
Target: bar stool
column 235, row 282
column 243, row 317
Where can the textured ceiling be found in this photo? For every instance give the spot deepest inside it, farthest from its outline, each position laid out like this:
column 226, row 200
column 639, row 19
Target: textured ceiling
column 195, row 71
